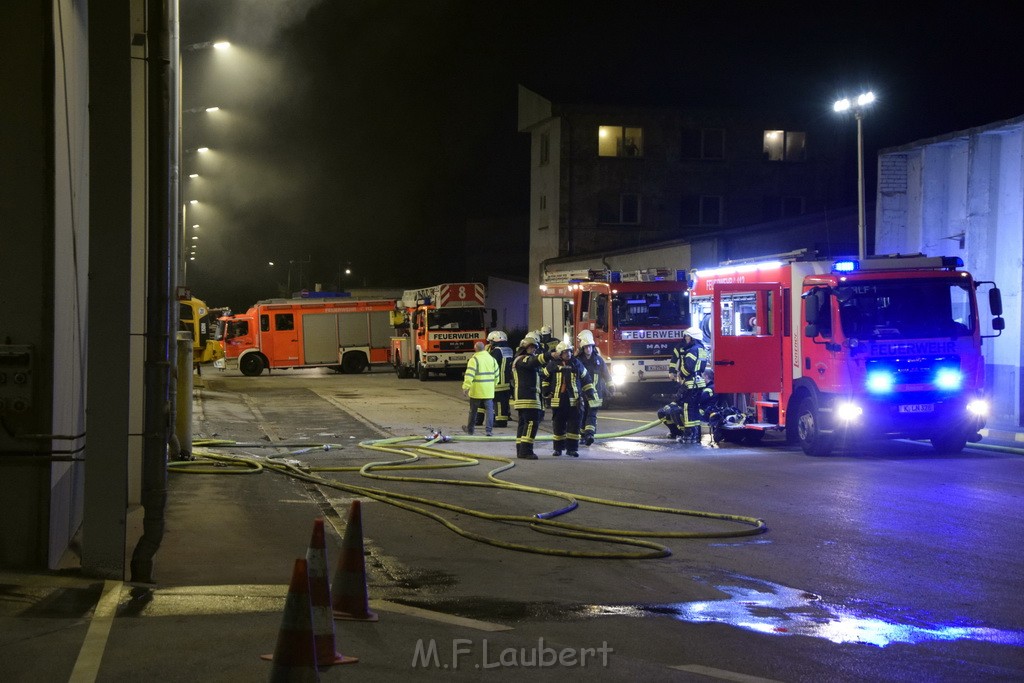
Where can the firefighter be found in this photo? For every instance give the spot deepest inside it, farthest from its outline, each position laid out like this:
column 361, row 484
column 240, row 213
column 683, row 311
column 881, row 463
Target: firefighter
column 526, row 395
column 601, row 377
column 548, row 344
column 502, row 354
column 567, row 384
column 478, row 386
column 687, row 367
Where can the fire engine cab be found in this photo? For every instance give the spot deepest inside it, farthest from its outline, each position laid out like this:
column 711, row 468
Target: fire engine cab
column 828, row 352
column 636, row 317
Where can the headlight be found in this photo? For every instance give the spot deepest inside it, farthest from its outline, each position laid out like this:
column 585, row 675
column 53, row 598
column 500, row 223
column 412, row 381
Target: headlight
column 848, row 412
column 948, row 378
column 978, row 407
column 619, row 373
column 880, row 381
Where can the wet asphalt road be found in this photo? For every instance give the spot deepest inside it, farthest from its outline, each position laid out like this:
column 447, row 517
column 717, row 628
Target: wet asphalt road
column 886, row 564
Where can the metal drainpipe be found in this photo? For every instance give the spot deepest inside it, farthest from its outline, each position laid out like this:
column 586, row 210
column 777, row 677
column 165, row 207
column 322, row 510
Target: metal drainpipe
column 161, row 353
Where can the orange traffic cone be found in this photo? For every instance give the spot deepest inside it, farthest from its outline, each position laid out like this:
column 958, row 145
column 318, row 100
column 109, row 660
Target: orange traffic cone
column 320, row 600
column 294, row 656
column 349, row 588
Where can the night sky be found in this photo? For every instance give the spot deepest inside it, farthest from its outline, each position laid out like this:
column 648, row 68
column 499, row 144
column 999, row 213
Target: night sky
column 363, row 134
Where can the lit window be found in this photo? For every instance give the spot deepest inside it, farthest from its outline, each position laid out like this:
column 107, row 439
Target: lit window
column 781, row 145
column 620, row 141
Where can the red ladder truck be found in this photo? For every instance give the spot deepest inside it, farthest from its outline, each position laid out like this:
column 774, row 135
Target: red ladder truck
column 829, row 352
column 437, row 328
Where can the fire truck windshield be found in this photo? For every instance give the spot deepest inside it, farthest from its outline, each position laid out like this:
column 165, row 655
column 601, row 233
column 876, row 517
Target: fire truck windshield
column 236, row 328
column 650, row 309
column 456, row 319
column 890, row 309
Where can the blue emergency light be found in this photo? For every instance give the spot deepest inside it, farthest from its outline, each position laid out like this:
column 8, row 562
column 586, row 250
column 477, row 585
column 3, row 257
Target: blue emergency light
column 846, row 266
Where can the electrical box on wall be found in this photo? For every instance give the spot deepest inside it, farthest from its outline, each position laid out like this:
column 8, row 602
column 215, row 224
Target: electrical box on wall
column 15, row 378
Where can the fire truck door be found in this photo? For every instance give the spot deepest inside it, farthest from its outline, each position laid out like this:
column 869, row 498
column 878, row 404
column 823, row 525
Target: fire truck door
column 286, row 340
column 747, row 334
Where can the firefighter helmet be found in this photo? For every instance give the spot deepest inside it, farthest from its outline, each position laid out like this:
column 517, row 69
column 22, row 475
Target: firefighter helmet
column 497, row 336
column 694, row 333
column 528, row 340
column 562, row 347
column 585, row 338
column 545, row 330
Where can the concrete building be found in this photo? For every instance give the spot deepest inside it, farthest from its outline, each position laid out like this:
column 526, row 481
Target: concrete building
column 607, row 179
column 961, row 194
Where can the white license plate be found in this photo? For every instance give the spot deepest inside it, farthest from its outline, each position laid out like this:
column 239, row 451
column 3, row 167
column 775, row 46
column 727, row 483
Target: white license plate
column 918, row 408
column 655, row 368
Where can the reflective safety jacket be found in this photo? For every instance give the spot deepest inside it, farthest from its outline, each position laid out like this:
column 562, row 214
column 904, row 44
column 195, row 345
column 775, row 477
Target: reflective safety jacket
column 565, row 382
column 502, row 353
column 689, row 363
column 481, row 376
column 600, row 375
column 526, row 384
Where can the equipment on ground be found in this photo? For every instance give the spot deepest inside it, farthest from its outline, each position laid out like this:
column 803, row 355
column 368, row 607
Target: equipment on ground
column 830, row 352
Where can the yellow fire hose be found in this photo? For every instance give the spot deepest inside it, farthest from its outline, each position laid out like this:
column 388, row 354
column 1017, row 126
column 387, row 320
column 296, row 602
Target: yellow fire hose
column 411, row 457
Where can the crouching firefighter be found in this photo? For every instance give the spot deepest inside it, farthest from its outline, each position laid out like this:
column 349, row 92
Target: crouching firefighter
column 526, row 388
column 688, row 366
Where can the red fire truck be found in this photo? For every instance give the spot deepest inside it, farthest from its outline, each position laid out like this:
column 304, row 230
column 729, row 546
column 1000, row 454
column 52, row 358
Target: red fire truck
column 346, row 335
column 829, row 352
column 636, row 318
column 436, row 329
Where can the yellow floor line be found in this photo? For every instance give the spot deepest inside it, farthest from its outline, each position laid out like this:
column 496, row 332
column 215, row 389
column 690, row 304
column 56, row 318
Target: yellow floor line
column 87, row 665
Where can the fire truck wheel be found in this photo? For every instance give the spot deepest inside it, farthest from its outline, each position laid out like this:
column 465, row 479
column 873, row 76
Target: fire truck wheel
column 353, row 363
column 421, row 372
column 251, row 365
column 807, row 425
column 949, row 443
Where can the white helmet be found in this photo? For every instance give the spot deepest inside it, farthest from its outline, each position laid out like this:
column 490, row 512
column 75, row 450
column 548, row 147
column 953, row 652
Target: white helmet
column 585, row 338
column 497, row 336
column 694, row 333
column 545, row 330
column 562, row 346
column 528, row 339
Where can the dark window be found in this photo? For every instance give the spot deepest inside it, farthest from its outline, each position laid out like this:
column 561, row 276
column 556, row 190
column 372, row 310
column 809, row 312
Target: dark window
column 701, row 210
column 284, row 321
column 615, row 209
column 703, row 143
column 545, row 148
column 264, row 323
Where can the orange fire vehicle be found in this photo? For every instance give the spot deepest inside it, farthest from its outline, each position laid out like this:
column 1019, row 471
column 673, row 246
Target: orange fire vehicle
column 346, row 335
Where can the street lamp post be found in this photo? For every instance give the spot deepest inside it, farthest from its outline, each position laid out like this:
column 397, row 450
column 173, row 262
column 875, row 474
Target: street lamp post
column 858, row 106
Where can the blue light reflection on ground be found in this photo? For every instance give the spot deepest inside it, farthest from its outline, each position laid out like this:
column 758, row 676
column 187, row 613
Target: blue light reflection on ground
column 774, row 609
